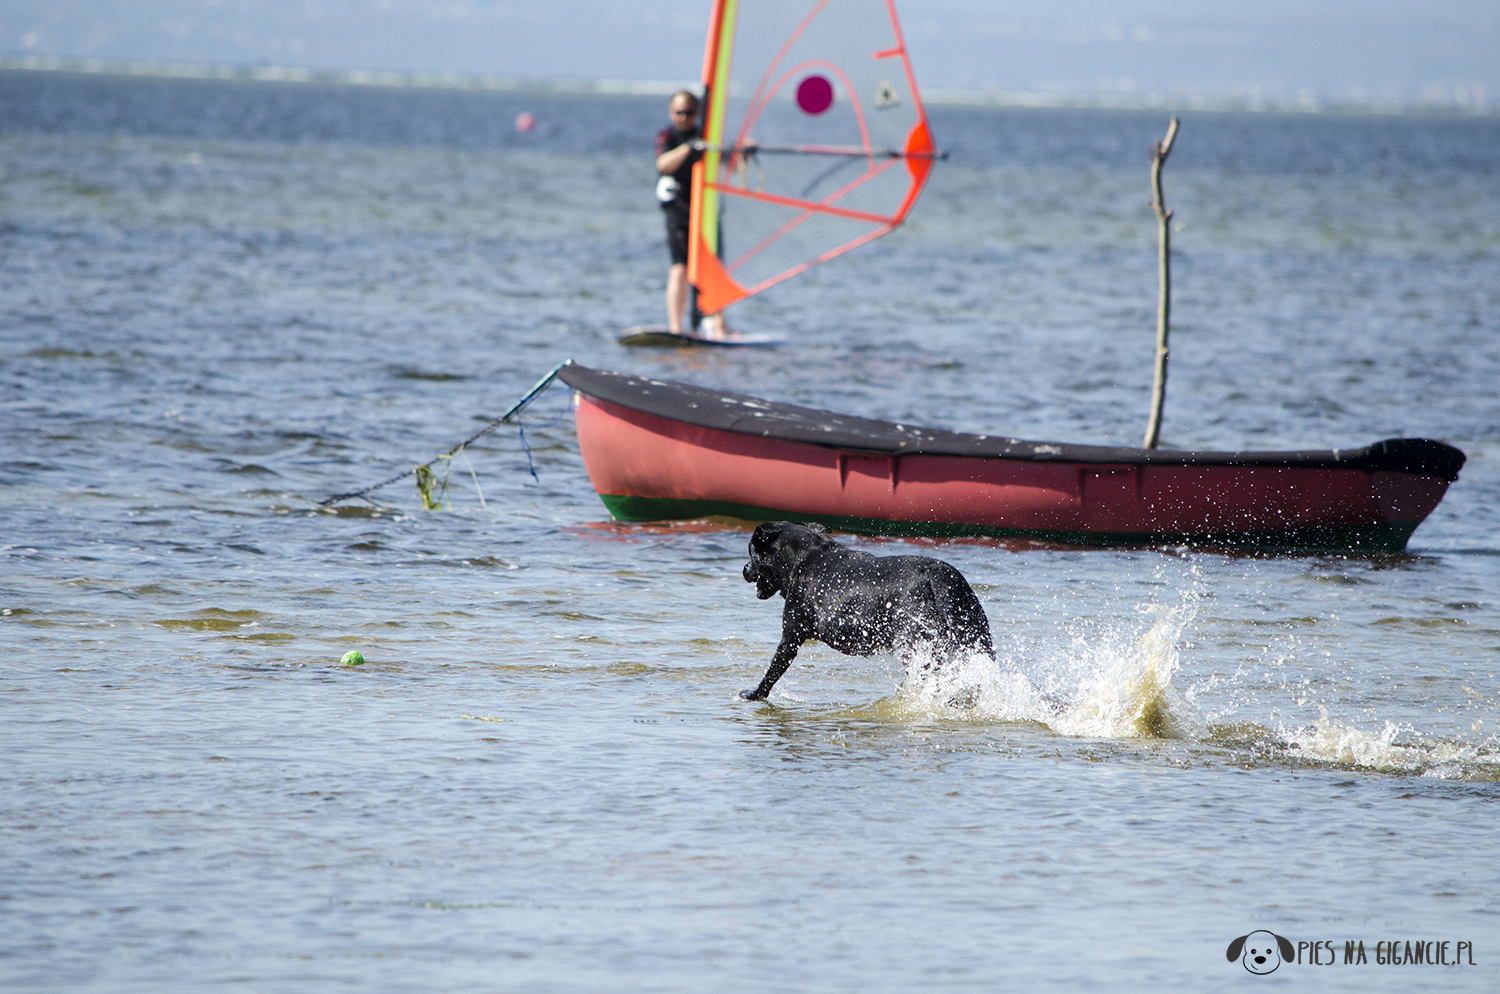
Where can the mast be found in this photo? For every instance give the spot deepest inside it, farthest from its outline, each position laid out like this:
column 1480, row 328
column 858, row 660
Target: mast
column 715, row 289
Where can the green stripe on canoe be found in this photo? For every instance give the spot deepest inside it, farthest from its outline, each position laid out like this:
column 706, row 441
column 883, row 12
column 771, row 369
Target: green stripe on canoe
column 1388, row 537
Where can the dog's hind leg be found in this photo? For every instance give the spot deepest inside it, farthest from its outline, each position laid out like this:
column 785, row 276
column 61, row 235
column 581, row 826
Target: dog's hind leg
column 964, row 618
column 785, row 653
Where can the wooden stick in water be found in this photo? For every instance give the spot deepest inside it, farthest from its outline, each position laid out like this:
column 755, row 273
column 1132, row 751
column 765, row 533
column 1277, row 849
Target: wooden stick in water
column 1164, row 291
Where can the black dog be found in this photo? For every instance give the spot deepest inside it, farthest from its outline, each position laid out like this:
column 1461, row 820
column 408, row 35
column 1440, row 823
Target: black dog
column 857, row 603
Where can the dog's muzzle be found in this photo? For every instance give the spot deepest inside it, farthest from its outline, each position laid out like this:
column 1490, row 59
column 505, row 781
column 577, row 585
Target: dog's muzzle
column 764, row 588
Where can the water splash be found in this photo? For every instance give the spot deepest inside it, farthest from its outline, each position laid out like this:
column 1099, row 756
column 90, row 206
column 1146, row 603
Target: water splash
column 1115, row 686
column 1129, row 692
column 1395, row 749
column 1119, row 685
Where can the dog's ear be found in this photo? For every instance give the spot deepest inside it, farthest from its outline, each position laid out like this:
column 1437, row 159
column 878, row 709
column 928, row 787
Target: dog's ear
column 1235, row 948
column 1288, row 953
column 816, row 526
column 765, row 535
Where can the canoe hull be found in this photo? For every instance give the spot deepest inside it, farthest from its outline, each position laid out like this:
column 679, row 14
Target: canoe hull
column 646, row 467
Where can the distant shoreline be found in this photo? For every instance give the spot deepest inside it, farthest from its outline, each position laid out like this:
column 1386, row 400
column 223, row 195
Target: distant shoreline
column 614, row 87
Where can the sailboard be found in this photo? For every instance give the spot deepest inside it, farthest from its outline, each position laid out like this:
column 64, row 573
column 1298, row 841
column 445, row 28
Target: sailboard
column 653, row 336
column 815, row 141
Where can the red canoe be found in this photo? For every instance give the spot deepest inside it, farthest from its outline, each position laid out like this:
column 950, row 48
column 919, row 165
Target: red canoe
column 660, row 451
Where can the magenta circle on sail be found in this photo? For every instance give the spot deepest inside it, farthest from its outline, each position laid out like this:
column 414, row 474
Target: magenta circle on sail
column 815, row 94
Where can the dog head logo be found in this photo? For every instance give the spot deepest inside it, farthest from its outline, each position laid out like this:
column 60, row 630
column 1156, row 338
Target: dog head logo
column 1261, row 952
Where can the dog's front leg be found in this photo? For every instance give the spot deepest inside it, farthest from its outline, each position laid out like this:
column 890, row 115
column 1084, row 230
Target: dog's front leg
column 785, row 653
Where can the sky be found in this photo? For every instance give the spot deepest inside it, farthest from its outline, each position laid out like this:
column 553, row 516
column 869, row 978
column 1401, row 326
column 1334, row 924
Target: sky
column 1440, row 52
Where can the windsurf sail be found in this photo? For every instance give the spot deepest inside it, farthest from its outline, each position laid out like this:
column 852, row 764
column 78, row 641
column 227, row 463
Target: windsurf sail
column 815, row 140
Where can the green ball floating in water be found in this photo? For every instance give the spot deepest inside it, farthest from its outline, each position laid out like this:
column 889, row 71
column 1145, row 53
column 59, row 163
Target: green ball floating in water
column 353, row 658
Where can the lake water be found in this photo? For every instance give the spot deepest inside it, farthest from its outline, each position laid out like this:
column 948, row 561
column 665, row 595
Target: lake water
column 222, row 302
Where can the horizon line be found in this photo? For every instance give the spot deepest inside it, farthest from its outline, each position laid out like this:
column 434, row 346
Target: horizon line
column 1303, row 104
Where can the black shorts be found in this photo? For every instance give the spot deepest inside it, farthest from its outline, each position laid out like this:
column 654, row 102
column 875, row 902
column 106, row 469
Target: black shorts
column 677, row 236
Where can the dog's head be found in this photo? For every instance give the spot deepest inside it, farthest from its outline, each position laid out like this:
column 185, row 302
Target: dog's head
column 776, row 548
column 1261, row 952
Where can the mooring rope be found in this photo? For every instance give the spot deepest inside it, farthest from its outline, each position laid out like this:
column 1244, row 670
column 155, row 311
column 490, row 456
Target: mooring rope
column 525, row 445
column 426, row 479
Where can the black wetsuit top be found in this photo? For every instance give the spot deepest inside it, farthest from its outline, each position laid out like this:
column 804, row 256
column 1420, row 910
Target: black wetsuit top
column 667, row 139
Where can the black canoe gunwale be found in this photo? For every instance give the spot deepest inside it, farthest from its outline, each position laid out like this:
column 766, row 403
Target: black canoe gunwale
column 726, row 410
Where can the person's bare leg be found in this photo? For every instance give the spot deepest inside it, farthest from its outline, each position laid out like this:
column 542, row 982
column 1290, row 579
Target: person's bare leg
column 676, row 297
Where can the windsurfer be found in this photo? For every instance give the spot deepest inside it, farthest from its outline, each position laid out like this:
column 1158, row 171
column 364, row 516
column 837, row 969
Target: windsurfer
column 675, row 156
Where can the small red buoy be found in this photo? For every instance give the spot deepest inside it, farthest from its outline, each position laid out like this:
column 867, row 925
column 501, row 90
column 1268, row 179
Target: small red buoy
column 525, row 121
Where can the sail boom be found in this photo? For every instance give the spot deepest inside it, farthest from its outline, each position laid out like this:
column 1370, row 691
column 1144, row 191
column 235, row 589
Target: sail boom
column 851, row 151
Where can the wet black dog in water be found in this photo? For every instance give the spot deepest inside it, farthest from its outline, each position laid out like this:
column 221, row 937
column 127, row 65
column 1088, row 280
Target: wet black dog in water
column 860, row 604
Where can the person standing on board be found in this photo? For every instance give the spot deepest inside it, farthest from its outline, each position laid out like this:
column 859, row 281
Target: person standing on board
column 675, row 156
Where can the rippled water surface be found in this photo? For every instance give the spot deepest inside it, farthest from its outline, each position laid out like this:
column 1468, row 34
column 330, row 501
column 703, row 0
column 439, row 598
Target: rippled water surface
column 220, row 303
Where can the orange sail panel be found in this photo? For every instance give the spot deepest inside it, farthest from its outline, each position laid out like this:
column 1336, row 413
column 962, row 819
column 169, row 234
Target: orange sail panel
column 816, row 139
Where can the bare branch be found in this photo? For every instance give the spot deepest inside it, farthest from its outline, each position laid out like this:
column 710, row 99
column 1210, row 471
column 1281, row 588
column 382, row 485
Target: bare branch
column 1159, row 155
